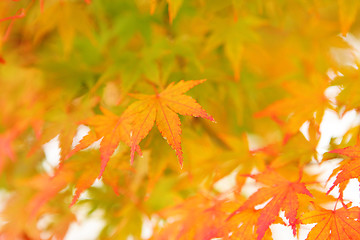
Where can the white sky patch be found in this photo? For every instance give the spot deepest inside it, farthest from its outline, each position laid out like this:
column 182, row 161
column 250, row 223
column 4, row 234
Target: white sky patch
column 255, row 141
column 354, row 43
column 82, row 131
column 331, row 94
column 52, row 155
column 324, row 170
column 281, row 232
column 250, row 187
column 343, row 57
column 333, row 126
column 4, row 197
column 304, row 129
column 43, row 222
column 226, row 183
column 352, row 192
column 87, row 227
column 147, row 228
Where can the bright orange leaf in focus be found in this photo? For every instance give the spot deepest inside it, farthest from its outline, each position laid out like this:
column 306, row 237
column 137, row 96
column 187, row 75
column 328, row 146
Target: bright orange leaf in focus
column 163, row 108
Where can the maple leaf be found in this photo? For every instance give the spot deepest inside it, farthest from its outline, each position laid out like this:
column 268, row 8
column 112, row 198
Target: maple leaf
column 283, row 195
column 299, row 108
column 85, row 180
column 349, row 167
column 337, row 224
column 112, row 129
column 162, row 108
column 85, row 166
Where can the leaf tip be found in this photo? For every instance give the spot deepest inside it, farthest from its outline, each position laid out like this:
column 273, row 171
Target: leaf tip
column 181, row 162
column 332, row 187
column 211, row 118
column 75, row 198
column 116, row 191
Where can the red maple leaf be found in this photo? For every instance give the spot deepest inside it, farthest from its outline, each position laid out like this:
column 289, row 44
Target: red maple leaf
column 283, row 194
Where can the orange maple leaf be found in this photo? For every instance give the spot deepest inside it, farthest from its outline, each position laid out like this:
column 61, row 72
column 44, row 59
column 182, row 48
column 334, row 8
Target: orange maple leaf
column 337, row 224
column 112, row 129
column 283, row 195
column 350, row 168
column 163, row 108
column 291, row 112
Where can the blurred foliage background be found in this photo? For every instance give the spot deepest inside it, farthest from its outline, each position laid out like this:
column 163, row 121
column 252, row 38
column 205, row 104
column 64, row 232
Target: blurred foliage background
column 267, row 64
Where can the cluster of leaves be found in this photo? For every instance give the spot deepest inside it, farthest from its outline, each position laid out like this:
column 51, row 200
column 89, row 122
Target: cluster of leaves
column 117, row 68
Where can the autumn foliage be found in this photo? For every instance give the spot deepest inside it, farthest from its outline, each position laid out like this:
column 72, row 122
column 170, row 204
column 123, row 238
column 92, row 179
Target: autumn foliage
column 238, row 91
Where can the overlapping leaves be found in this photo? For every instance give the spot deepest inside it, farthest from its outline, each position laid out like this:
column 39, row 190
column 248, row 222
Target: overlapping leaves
column 60, row 60
column 138, row 119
